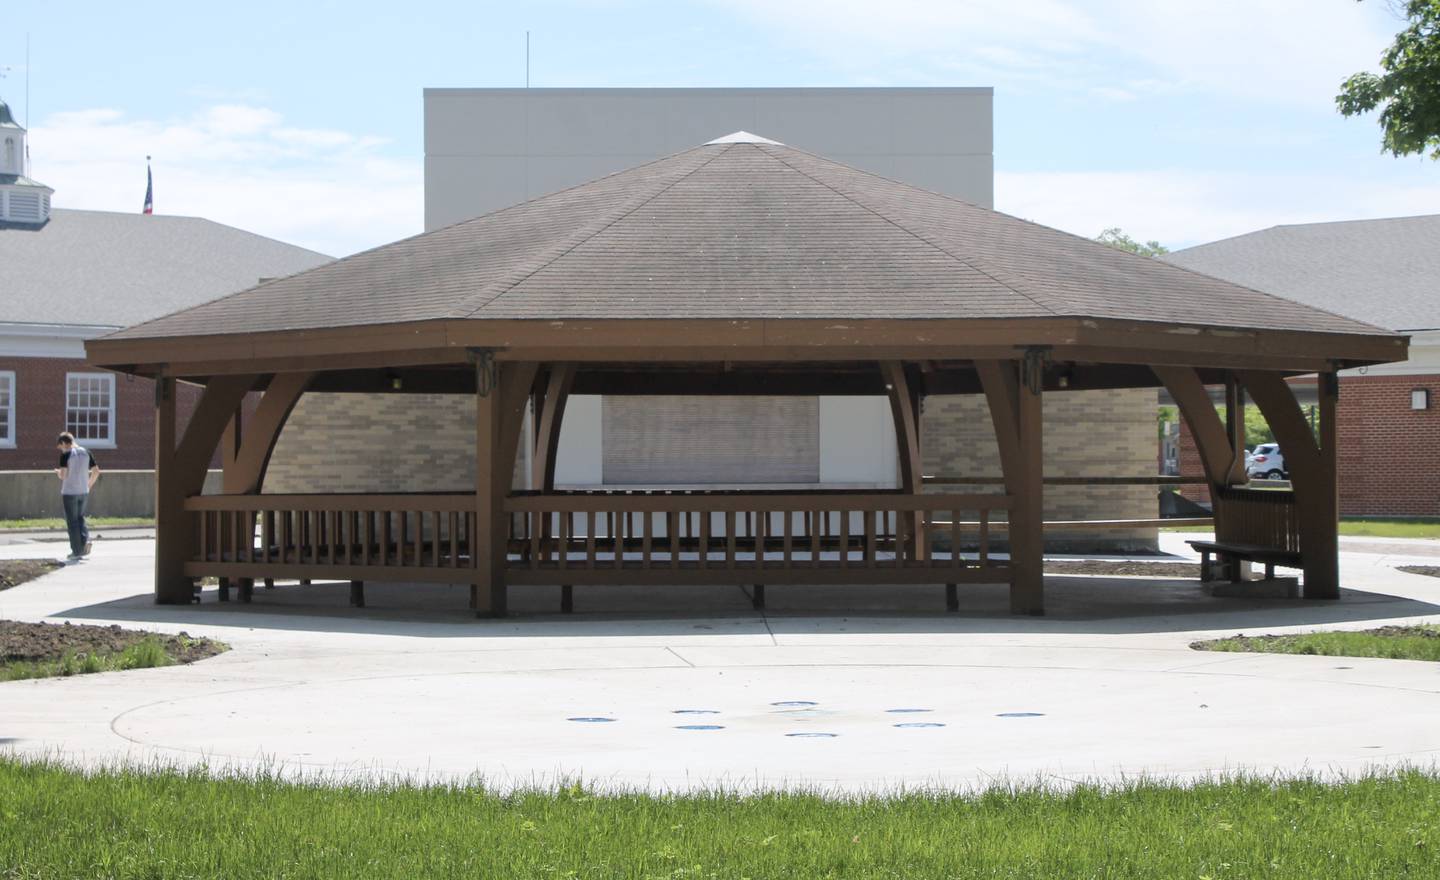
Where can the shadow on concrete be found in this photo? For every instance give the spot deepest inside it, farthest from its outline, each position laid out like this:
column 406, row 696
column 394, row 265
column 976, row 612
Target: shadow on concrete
column 1096, row 605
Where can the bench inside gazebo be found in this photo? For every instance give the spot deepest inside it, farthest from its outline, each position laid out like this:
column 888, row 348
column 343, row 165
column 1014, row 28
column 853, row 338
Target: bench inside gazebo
column 741, row 267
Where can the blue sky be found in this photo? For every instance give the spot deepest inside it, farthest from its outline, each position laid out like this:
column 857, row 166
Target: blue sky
column 1180, row 121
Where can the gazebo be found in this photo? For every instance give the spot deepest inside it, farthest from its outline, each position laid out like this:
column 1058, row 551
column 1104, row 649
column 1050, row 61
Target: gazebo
column 739, row 267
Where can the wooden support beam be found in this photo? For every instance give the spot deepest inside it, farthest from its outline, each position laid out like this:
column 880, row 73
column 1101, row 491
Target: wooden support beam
column 549, row 418
column 906, row 415
column 1212, row 440
column 1017, row 414
column 1312, row 473
column 246, row 473
column 180, row 472
column 1235, row 428
column 501, row 392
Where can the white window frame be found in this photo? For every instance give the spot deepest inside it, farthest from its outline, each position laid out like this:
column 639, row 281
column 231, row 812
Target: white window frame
column 7, row 441
column 107, row 442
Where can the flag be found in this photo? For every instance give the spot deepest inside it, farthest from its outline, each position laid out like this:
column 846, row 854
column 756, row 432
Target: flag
column 149, row 190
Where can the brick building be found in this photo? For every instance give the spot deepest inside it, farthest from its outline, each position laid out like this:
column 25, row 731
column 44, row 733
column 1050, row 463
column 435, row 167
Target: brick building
column 67, row 276
column 1385, row 272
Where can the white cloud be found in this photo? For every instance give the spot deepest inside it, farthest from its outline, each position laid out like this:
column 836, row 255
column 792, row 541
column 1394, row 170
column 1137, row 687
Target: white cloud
column 1288, row 50
column 1183, row 208
column 333, row 191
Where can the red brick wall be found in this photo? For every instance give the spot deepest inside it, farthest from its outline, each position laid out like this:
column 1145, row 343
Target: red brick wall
column 1389, row 454
column 40, row 415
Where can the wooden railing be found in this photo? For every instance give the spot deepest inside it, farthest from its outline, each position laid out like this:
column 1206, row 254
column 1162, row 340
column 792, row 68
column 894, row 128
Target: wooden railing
column 391, row 537
column 749, row 537
column 1262, row 517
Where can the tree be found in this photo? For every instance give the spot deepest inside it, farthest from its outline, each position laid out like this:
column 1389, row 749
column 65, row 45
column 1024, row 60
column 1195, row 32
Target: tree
column 1116, row 238
column 1408, row 92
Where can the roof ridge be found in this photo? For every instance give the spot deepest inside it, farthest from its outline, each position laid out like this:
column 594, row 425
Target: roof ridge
column 558, row 252
column 1009, row 285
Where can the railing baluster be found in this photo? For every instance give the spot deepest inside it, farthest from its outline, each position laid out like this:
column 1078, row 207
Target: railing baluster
column 819, row 520
column 984, row 536
column 844, row 538
column 590, row 520
column 672, row 532
column 955, row 539
column 902, row 543
column 787, row 546
column 702, row 560
column 647, row 539
column 567, row 527
column 870, row 516
column 730, row 522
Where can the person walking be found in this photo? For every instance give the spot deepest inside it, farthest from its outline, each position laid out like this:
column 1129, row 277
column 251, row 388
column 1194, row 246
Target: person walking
column 78, row 473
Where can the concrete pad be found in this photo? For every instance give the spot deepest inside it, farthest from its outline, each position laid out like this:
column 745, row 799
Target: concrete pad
column 806, row 693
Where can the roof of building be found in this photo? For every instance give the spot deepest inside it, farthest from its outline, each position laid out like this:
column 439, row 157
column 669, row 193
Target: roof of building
column 107, row 269
column 1386, row 272
column 7, row 119
column 21, row 180
column 742, row 230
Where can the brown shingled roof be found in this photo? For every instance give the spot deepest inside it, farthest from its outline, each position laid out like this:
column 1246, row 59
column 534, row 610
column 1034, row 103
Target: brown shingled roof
column 742, row 231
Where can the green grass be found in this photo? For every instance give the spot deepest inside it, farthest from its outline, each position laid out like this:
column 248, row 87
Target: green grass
column 58, row 523
column 1389, row 528
column 1364, row 528
column 141, row 655
column 1390, row 642
column 56, row 823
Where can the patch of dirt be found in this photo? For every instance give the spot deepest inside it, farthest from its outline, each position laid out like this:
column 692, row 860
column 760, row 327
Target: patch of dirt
column 1430, row 570
column 14, row 572
column 49, row 641
column 1144, row 569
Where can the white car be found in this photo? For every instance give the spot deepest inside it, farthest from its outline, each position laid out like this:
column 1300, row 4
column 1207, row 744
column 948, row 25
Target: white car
column 1266, row 462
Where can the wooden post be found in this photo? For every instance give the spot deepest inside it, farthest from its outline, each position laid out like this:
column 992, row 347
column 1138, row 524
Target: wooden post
column 1312, row 473
column 171, row 538
column 180, row 472
column 357, row 594
column 1013, row 391
column 500, row 394
column 904, row 411
column 1235, row 429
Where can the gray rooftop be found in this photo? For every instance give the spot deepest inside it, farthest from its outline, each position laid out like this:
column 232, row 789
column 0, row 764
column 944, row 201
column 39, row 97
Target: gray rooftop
column 1386, row 272
column 107, row 269
column 743, row 230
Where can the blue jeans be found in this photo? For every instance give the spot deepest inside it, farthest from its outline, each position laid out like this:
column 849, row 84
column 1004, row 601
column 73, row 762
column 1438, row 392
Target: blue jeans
column 75, row 522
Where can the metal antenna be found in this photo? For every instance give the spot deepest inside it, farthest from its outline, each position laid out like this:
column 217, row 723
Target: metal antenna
column 527, row 60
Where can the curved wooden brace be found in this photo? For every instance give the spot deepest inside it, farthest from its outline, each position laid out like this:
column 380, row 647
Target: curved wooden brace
column 905, row 412
column 549, row 417
column 246, row 474
column 1016, row 411
column 1312, row 474
column 1223, row 465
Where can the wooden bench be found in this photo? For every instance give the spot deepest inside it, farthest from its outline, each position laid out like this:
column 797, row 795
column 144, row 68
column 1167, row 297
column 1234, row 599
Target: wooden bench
column 1232, row 554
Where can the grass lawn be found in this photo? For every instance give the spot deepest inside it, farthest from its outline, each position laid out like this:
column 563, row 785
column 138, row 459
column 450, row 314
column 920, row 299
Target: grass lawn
column 57, row 524
column 59, row 823
column 1390, row 642
column 1364, row 528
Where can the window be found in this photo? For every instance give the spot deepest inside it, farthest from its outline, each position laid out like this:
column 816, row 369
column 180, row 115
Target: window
column 1420, row 398
column 90, row 408
column 7, row 409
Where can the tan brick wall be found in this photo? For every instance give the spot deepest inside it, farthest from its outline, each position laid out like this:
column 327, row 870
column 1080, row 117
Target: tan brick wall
column 426, row 443
column 1087, row 433
column 376, row 443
